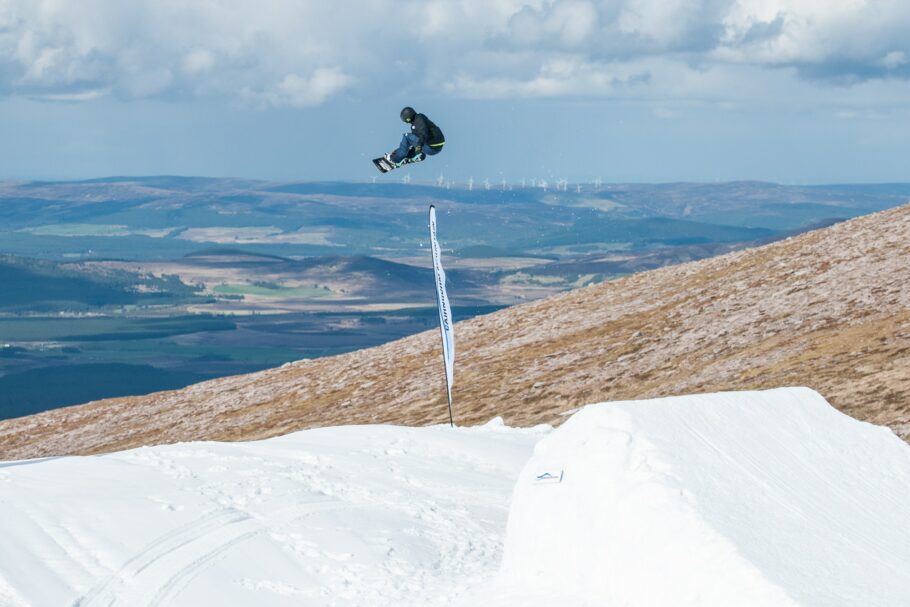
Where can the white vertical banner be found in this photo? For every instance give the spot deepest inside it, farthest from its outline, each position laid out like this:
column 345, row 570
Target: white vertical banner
column 445, row 313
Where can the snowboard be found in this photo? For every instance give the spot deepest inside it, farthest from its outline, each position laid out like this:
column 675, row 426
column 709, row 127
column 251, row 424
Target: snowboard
column 385, row 166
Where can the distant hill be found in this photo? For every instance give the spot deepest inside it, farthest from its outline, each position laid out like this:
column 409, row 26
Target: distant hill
column 359, row 276
column 375, row 274
column 216, row 255
column 620, row 263
column 829, row 309
column 489, row 252
column 38, row 285
column 645, row 232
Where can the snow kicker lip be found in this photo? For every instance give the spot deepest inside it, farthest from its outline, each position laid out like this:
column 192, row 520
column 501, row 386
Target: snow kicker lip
column 757, row 497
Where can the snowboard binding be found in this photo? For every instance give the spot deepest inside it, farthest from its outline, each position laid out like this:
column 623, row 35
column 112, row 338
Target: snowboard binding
column 385, row 164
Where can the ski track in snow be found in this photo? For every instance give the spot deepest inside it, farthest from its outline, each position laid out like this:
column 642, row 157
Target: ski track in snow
column 203, row 548
column 223, row 523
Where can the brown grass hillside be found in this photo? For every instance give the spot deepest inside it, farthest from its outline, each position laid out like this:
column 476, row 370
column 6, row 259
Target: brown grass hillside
column 829, row 309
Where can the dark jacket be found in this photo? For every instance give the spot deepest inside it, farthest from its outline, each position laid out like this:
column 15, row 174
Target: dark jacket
column 427, row 132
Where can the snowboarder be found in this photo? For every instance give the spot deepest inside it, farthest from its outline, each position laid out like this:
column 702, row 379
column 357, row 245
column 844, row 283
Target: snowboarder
column 425, row 139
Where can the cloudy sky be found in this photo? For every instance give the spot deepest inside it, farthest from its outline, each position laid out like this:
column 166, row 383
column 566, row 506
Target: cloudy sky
column 796, row 91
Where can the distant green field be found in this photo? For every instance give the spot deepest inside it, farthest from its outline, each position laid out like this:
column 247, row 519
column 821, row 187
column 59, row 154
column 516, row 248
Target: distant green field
column 272, row 291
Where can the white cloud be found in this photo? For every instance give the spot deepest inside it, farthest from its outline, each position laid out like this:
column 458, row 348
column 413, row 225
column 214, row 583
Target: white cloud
column 895, row 59
column 300, row 92
column 823, row 38
column 289, row 53
column 198, row 61
column 569, row 24
column 299, row 54
column 821, row 41
column 87, row 95
column 560, row 76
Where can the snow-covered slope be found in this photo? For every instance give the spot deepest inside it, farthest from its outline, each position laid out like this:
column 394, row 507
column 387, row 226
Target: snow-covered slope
column 360, row 515
column 759, row 498
column 763, row 498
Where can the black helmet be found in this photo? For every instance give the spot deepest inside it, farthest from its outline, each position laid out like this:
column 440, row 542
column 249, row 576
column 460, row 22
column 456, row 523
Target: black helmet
column 407, row 114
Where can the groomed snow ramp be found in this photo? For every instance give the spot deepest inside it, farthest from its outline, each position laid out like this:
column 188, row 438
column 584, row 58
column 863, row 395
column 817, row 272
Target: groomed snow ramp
column 753, row 498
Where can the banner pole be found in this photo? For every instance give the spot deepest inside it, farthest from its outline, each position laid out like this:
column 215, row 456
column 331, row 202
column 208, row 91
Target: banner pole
column 446, row 329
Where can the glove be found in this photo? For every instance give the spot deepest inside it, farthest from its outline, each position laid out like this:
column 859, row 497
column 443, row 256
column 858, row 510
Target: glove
column 418, row 149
